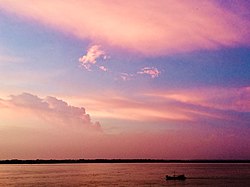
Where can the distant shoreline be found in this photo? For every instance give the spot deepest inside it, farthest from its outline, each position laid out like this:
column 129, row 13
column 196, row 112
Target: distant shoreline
column 75, row 161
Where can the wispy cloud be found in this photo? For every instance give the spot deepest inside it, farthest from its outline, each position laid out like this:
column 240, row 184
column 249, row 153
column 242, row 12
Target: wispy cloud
column 151, row 71
column 193, row 106
column 145, row 26
column 125, row 76
column 235, row 99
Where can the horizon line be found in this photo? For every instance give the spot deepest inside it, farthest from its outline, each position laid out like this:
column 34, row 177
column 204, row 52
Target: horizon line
column 72, row 161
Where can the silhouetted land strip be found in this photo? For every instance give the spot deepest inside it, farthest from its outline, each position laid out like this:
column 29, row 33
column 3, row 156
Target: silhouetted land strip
column 72, row 161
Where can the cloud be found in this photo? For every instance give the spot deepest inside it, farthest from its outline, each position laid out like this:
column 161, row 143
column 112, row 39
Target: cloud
column 236, row 99
column 125, row 76
column 103, row 68
column 190, row 107
column 53, row 110
column 151, row 71
column 209, row 138
column 148, row 27
column 94, row 53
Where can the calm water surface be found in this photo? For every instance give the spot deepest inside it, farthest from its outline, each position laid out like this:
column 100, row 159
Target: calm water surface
column 124, row 175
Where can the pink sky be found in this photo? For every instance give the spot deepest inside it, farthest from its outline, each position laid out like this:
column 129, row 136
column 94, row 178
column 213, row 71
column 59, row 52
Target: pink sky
column 124, row 79
column 46, row 120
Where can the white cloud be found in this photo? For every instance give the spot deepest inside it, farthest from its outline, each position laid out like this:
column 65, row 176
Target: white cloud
column 93, row 54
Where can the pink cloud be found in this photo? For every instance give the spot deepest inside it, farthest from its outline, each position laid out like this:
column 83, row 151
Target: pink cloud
column 186, row 106
column 145, row 26
column 125, row 76
column 103, row 68
column 53, row 110
column 237, row 99
column 93, row 54
column 36, row 127
column 153, row 72
column 150, row 109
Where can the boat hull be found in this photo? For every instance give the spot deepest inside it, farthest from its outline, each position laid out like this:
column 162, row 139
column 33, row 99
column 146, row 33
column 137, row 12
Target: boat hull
column 178, row 177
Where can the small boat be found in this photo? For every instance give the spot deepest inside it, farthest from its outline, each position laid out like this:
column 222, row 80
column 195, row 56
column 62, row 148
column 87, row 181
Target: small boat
column 176, row 177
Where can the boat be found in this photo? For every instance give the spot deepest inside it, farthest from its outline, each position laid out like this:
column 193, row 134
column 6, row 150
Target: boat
column 175, row 177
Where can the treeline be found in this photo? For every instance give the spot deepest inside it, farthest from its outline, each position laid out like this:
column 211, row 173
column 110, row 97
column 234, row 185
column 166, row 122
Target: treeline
column 72, row 161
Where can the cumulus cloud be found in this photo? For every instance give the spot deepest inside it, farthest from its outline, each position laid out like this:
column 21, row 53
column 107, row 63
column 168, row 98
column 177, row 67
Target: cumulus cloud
column 94, row 53
column 149, row 27
column 151, row 71
column 53, row 109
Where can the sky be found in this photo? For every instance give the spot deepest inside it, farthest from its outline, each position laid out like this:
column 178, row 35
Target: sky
column 125, row 79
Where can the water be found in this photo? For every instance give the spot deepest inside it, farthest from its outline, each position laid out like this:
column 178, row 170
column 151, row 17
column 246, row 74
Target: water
column 124, row 175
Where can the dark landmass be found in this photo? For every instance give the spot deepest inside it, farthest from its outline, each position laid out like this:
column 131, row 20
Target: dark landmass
column 72, row 161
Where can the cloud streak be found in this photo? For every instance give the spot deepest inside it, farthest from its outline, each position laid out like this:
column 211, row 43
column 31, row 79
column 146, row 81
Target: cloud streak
column 235, row 99
column 209, row 105
column 151, row 28
column 151, row 71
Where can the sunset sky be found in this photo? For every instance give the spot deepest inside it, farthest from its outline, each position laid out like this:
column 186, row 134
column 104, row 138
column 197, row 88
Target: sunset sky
column 165, row 79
